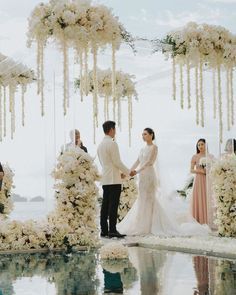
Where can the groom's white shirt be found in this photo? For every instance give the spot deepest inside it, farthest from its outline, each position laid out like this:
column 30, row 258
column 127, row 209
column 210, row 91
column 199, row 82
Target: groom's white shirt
column 112, row 166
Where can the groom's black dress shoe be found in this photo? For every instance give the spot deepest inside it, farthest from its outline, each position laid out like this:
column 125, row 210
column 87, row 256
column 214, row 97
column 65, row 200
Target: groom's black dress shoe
column 116, row 235
column 104, row 235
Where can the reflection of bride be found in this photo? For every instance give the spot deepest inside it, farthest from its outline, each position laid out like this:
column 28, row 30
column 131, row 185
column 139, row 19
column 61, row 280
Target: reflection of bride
column 151, row 213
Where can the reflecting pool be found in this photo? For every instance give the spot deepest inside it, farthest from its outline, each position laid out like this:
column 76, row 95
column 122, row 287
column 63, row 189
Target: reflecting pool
column 146, row 272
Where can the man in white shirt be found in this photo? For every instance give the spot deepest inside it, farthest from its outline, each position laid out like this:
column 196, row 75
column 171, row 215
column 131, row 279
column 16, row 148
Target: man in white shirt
column 112, row 167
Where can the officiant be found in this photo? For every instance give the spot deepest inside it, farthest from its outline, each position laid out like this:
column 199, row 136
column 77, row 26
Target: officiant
column 76, row 141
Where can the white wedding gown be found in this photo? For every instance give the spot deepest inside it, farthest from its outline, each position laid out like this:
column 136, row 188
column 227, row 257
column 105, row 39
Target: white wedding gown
column 151, row 212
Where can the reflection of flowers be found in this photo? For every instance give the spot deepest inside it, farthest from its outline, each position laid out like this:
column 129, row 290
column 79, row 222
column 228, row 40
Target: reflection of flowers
column 60, row 269
column 225, row 277
column 127, row 198
column 224, row 185
column 6, row 204
column 113, row 251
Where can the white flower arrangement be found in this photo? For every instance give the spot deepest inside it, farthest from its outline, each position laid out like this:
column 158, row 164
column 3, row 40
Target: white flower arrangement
column 201, row 46
column 128, row 196
column 73, row 223
column 6, row 204
column 114, row 251
column 76, row 24
column 124, row 88
column 12, row 76
column 224, row 277
column 224, row 186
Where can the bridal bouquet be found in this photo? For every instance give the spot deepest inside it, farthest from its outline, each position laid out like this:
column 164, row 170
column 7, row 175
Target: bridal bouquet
column 128, row 196
column 224, row 186
column 6, row 204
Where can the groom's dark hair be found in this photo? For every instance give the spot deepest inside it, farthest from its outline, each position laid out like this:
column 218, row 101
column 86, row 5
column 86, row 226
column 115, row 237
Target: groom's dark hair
column 108, row 125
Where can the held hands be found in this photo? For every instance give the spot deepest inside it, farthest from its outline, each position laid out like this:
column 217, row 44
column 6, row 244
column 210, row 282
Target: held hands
column 122, row 176
column 132, row 173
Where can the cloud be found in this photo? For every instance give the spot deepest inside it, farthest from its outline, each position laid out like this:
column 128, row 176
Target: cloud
column 173, row 20
column 223, row 1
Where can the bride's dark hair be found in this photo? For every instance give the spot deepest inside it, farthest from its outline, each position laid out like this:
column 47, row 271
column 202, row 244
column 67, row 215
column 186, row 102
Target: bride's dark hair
column 200, row 140
column 151, row 132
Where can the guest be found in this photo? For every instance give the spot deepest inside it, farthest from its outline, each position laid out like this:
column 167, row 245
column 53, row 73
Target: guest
column 76, row 141
column 230, row 146
column 1, row 176
column 199, row 197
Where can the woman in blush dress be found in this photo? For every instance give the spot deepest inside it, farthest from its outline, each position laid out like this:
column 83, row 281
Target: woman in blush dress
column 199, row 197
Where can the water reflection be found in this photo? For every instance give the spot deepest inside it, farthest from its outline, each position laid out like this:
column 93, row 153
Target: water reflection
column 147, row 272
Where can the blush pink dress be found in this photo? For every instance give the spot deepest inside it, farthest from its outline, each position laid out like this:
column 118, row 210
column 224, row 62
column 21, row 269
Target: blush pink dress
column 199, row 197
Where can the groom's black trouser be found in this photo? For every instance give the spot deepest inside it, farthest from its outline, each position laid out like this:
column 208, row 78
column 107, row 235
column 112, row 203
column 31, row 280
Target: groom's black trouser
column 110, row 203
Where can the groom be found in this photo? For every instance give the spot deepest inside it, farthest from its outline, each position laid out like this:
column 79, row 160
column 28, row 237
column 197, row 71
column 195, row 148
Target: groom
column 109, row 157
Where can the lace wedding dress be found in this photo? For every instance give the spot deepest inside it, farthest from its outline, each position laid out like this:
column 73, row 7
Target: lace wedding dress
column 151, row 212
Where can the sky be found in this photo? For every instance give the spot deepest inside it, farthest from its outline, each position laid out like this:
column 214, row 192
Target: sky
column 33, row 151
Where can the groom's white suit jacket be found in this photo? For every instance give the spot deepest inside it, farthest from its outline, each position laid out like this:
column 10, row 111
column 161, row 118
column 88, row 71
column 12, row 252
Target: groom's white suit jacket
column 112, row 166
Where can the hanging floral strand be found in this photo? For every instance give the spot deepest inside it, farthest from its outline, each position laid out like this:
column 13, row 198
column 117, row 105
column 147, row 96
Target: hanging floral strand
column 23, row 90
column 232, row 96
column 4, row 111
column 65, row 77
column 38, row 67
column 197, row 94
column 201, row 93
column 173, row 78
column 86, row 70
column 119, row 111
column 81, row 75
column 114, row 80
column 220, row 103
column 12, row 107
column 188, row 84
column 41, row 59
column 181, row 86
column 130, row 117
column 95, row 83
column 1, row 113
column 228, row 105
column 214, row 93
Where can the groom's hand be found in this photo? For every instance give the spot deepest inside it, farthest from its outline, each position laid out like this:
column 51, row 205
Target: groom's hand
column 123, row 176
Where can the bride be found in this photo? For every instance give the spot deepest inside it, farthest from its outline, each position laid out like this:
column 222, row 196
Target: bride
column 150, row 213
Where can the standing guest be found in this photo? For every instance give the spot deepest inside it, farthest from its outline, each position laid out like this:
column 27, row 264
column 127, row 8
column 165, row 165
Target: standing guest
column 1, row 176
column 199, row 198
column 230, row 146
